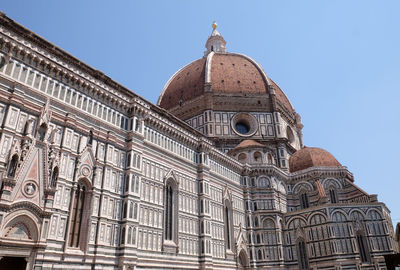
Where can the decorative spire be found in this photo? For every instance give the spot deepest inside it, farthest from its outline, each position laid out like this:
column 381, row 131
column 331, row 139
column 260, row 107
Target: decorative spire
column 215, row 42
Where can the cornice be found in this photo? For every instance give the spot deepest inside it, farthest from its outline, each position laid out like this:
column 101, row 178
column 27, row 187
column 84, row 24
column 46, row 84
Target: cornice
column 320, row 172
column 223, row 158
column 33, row 48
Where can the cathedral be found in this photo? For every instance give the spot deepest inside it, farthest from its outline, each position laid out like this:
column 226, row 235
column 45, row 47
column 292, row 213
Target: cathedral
column 213, row 176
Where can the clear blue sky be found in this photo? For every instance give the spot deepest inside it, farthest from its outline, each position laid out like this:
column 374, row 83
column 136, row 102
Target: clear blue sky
column 337, row 61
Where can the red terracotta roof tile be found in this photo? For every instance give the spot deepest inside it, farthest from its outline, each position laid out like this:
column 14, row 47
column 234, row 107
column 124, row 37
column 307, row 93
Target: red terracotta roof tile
column 308, row 157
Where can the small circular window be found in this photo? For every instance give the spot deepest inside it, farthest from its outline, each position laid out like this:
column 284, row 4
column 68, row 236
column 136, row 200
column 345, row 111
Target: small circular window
column 244, row 124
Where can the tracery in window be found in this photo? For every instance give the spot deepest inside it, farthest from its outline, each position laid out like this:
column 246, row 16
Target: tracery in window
column 228, row 224
column 304, row 203
column 362, row 247
column 171, row 208
column 79, row 211
column 302, row 255
column 333, row 195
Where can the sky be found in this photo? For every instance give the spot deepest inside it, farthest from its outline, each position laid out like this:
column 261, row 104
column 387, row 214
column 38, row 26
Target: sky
column 337, row 61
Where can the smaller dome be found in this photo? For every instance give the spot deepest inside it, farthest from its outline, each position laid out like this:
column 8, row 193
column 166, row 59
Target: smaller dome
column 246, row 144
column 308, row 157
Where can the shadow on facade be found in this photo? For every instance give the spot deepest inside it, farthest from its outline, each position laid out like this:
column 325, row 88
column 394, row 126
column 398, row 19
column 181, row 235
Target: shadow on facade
column 392, row 261
column 14, row 263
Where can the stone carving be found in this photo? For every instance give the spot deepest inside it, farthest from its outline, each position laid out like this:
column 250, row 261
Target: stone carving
column 30, row 189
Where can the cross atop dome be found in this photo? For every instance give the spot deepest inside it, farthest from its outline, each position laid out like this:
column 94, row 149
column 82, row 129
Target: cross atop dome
column 215, row 42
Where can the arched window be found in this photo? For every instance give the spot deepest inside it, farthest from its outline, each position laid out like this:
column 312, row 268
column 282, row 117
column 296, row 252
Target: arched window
column 362, row 247
column 171, row 208
column 131, row 210
column 304, row 203
column 333, row 195
column 54, row 177
column 134, row 236
column 137, row 182
column 127, row 183
column 129, row 235
column 259, row 254
column 242, row 157
column 128, row 160
column 78, row 217
column 42, row 132
column 135, row 211
column 258, row 239
column 12, row 167
column 125, row 210
column 302, row 255
column 228, row 224
column 123, row 236
column 257, row 157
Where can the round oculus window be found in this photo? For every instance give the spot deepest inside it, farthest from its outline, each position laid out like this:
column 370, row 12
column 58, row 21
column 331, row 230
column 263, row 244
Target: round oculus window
column 244, row 124
column 242, row 128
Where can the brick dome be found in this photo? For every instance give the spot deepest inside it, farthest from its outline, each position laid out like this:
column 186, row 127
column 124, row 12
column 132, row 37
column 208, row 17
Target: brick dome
column 308, row 157
column 219, row 73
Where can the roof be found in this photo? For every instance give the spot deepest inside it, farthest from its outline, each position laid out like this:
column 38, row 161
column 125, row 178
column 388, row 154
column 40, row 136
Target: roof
column 245, row 144
column 186, row 84
column 227, row 73
column 308, row 157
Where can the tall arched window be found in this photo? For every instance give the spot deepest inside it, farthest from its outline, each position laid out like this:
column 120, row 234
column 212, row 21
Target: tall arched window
column 304, row 203
column 134, row 236
column 362, row 247
column 171, row 208
column 12, row 167
column 333, row 195
column 302, row 255
column 127, row 183
column 129, row 235
column 123, row 236
column 125, row 210
column 131, row 210
column 259, row 254
column 228, row 224
column 78, row 218
column 128, row 161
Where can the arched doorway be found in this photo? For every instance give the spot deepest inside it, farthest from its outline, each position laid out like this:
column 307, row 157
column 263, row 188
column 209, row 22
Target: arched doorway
column 243, row 260
column 15, row 263
column 19, row 236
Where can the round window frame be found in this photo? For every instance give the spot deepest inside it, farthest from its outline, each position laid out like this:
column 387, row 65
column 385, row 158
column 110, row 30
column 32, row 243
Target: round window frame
column 245, row 119
column 26, row 194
